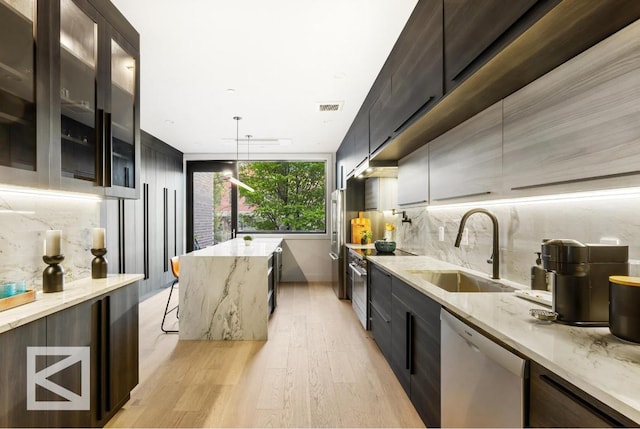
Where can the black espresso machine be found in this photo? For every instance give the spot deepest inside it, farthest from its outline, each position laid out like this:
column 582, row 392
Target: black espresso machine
column 579, row 278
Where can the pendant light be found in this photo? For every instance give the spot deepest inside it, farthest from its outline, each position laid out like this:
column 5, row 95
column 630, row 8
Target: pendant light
column 248, row 136
column 229, row 175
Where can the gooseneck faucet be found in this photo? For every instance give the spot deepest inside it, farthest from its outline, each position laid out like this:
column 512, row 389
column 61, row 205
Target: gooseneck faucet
column 495, row 257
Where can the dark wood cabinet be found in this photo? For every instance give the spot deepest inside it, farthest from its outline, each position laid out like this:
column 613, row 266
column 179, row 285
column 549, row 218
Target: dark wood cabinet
column 380, row 117
column 22, row 161
column 416, row 79
column 77, row 127
column 380, row 308
column 415, row 345
column 13, row 374
column 554, row 402
column 410, row 83
column 145, row 233
column 108, row 325
column 475, row 31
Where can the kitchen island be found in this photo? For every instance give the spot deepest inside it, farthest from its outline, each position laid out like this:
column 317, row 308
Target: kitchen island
column 224, row 290
column 591, row 359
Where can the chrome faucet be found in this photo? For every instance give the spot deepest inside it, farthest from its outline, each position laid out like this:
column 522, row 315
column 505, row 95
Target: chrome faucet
column 495, row 256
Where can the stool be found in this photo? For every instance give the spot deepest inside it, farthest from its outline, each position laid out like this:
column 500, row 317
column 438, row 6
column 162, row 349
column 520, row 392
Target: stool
column 175, row 269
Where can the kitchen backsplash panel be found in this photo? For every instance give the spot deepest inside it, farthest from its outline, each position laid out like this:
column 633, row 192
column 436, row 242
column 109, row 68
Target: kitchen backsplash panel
column 522, row 228
column 25, row 218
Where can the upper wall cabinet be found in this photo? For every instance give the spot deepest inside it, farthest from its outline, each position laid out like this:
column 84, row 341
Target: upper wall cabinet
column 476, row 30
column 360, row 129
column 416, row 80
column 466, row 162
column 411, row 77
column 122, row 121
column 578, row 123
column 20, row 159
column 413, row 178
column 83, row 133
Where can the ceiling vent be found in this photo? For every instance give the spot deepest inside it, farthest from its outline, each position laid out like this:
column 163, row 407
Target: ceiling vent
column 333, row 106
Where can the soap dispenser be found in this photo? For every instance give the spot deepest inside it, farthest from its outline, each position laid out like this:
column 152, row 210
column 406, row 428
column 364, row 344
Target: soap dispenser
column 538, row 275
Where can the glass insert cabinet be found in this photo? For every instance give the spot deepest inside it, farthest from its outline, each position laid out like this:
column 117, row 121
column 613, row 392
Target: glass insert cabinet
column 17, row 85
column 78, row 128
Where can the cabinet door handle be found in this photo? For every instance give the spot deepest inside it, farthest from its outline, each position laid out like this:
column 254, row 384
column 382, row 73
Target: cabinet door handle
column 145, row 227
column 409, row 345
column 415, row 114
column 108, row 150
column 453, row 197
column 165, row 213
column 106, row 348
column 98, row 345
column 583, row 179
column 175, row 222
column 100, row 149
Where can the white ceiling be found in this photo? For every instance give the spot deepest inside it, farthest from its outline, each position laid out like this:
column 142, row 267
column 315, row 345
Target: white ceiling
column 281, row 57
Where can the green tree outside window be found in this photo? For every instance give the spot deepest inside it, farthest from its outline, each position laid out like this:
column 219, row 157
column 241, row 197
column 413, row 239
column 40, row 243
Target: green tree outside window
column 289, row 196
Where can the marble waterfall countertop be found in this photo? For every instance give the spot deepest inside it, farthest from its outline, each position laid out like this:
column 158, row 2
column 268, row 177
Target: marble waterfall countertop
column 74, row 293
column 224, row 291
column 593, row 359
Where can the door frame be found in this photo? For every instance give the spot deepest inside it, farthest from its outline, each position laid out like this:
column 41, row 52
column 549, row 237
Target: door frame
column 213, row 167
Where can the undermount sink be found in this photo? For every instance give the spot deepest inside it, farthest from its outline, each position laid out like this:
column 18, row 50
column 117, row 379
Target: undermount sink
column 459, row 281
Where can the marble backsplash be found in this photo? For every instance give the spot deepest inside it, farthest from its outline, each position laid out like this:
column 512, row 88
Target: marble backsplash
column 522, row 228
column 24, row 219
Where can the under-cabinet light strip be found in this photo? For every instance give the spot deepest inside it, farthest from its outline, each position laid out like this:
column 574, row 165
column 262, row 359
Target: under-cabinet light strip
column 49, row 194
column 574, row 196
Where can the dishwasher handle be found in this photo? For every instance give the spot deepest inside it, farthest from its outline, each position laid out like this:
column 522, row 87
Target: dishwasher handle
column 498, row 354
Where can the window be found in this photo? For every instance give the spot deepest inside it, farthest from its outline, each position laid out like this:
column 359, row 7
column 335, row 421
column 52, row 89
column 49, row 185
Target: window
column 289, row 196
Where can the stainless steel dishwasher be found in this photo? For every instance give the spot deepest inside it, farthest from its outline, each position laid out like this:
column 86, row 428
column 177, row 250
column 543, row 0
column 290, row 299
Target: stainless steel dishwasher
column 482, row 382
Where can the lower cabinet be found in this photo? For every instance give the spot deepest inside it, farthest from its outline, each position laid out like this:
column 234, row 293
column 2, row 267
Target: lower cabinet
column 13, row 375
column 380, row 308
column 554, row 402
column 415, row 345
column 108, row 325
column 406, row 326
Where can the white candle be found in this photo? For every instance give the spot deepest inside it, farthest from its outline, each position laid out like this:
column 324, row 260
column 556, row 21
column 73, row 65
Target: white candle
column 53, row 242
column 98, row 238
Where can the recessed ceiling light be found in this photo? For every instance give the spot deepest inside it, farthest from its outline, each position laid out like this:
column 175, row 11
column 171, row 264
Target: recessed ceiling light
column 169, row 122
column 230, row 90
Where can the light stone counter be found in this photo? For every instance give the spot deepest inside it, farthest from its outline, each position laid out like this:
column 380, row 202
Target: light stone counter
column 74, row 293
column 223, row 291
column 591, row 358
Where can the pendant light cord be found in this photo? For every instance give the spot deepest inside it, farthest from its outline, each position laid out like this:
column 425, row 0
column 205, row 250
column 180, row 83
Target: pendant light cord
column 248, row 145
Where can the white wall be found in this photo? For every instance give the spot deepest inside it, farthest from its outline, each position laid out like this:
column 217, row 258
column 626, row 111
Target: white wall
column 306, row 260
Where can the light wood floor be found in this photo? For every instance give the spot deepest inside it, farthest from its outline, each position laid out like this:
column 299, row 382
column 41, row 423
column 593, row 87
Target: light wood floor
column 319, row 368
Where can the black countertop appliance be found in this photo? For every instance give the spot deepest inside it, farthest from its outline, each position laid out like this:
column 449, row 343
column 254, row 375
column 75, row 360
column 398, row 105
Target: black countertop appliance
column 580, row 278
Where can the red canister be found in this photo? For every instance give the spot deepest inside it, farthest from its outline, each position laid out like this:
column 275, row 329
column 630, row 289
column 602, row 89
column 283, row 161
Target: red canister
column 624, row 307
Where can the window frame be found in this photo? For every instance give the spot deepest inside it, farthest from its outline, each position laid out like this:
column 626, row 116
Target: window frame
column 329, row 161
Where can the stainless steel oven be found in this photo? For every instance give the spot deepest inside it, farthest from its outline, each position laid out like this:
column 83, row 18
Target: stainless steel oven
column 358, row 276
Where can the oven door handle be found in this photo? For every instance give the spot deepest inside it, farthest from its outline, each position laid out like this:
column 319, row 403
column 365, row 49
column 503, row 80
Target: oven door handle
column 357, row 271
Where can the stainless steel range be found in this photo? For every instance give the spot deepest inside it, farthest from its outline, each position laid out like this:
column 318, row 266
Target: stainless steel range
column 357, row 278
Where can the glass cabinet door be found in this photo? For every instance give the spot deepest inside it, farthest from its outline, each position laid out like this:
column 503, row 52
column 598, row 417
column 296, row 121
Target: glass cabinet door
column 123, row 134
column 78, row 71
column 17, row 88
